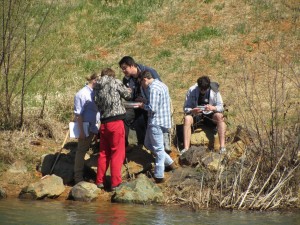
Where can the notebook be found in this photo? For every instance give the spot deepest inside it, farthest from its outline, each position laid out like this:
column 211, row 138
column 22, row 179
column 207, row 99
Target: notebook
column 74, row 129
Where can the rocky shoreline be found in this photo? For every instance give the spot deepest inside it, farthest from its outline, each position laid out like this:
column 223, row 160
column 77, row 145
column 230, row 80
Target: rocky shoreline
column 203, row 179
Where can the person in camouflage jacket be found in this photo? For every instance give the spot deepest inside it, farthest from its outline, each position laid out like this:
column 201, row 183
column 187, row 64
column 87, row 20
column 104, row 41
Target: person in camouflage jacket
column 109, row 92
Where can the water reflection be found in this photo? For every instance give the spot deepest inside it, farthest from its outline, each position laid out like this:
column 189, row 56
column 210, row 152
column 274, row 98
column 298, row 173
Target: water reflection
column 15, row 211
column 116, row 212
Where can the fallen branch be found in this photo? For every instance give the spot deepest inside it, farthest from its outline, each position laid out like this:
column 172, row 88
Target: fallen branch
column 267, row 181
column 250, row 184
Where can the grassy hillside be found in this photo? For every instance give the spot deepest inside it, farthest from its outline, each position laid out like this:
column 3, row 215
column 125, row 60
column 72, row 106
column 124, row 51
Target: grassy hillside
column 227, row 40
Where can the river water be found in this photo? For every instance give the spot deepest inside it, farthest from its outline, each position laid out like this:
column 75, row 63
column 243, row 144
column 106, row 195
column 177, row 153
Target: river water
column 46, row 212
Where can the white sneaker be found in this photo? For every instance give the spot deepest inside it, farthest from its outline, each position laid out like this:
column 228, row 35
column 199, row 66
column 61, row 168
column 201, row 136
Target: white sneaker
column 182, row 151
column 222, row 150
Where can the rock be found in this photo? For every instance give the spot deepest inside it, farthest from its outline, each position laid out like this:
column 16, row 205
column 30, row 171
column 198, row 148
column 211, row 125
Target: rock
column 48, row 187
column 2, row 193
column 18, row 167
column 193, row 156
column 205, row 136
column 237, row 149
column 243, row 134
column 64, row 166
column 212, row 161
column 141, row 191
column 199, row 137
column 47, row 161
column 84, row 191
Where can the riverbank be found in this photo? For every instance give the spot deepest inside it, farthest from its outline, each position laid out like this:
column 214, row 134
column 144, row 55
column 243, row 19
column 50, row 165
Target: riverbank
column 191, row 185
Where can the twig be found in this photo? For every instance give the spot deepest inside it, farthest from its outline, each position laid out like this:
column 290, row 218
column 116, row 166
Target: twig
column 250, row 184
column 267, row 181
column 279, row 185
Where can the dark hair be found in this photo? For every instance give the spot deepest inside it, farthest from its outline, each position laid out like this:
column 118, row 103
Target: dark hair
column 128, row 60
column 145, row 74
column 108, row 72
column 203, row 82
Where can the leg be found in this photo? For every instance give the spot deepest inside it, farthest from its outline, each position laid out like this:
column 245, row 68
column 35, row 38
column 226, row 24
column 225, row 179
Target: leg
column 167, row 141
column 221, row 126
column 140, row 128
column 166, row 137
column 128, row 122
column 156, row 139
column 104, row 155
column 117, row 145
column 187, row 131
column 82, row 148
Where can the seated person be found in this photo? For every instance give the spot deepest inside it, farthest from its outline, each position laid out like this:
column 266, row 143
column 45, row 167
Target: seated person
column 206, row 95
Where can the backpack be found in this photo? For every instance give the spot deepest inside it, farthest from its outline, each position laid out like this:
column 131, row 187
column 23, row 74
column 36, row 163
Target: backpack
column 214, row 86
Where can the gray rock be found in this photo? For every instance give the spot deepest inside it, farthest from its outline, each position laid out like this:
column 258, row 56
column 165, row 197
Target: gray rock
column 2, row 193
column 48, row 187
column 212, row 161
column 84, row 191
column 141, row 191
column 193, row 156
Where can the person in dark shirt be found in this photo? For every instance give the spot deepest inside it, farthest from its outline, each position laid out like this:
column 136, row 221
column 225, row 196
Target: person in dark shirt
column 137, row 118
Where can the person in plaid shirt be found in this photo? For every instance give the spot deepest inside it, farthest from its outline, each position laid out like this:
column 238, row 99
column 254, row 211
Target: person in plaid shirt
column 159, row 120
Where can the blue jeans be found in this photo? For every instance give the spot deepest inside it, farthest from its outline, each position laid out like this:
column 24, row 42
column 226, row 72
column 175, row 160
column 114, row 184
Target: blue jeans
column 154, row 141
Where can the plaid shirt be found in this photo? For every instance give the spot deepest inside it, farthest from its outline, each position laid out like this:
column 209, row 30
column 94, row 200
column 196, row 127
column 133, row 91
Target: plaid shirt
column 158, row 105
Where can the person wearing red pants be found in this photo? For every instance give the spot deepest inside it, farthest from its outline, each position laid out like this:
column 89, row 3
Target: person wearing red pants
column 108, row 94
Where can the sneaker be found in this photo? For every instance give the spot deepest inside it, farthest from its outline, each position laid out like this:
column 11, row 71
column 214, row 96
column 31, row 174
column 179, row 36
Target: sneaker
column 101, row 186
column 182, row 151
column 222, row 150
column 159, row 180
column 113, row 189
column 171, row 167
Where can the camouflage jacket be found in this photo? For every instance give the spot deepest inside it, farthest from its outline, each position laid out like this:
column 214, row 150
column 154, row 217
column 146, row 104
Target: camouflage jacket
column 108, row 98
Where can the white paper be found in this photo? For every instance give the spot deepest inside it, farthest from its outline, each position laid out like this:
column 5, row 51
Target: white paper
column 74, row 129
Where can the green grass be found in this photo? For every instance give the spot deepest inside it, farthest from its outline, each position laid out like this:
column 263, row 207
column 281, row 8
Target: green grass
column 201, row 34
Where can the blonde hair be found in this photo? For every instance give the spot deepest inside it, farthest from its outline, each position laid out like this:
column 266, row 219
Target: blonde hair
column 93, row 77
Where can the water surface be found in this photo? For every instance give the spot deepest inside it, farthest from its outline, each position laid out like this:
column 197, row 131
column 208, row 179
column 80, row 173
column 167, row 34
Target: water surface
column 16, row 211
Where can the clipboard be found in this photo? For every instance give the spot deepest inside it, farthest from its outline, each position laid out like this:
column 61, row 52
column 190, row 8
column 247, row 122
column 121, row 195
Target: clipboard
column 74, row 129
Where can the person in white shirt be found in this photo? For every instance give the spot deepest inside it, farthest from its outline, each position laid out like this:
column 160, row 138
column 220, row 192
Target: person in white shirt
column 203, row 99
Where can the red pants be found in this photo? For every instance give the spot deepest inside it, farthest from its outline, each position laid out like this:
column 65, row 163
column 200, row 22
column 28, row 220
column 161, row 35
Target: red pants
column 112, row 152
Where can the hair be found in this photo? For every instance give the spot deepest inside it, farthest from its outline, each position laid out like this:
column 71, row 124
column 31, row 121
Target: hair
column 145, row 74
column 203, row 82
column 128, row 60
column 108, row 72
column 93, row 77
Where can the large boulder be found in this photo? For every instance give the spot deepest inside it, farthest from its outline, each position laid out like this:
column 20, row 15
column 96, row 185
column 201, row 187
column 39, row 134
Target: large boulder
column 64, row 166
column 84, row 191
column 48, row 187
column 205, row 136
column 141, row 191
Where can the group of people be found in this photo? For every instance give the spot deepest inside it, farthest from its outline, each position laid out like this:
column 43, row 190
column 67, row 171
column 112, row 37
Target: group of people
column 103, row 97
